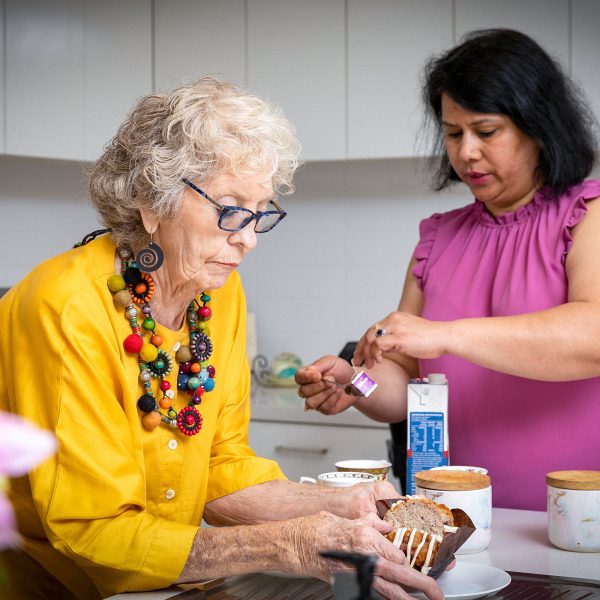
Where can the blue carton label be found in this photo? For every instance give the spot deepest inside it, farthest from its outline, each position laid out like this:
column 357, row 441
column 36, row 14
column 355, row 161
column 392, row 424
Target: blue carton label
column 426, row 445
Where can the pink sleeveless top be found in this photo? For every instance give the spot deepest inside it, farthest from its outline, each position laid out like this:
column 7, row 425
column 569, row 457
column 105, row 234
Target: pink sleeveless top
column 472, row 264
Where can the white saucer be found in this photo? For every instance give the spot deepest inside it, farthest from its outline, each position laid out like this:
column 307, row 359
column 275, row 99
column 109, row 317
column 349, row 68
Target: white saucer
column 470, row 580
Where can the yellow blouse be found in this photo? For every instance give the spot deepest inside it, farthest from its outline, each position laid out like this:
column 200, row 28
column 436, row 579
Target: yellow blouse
column 117, row 506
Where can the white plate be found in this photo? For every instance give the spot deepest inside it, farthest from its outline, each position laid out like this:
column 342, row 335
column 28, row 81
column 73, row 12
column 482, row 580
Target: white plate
column 470, row 580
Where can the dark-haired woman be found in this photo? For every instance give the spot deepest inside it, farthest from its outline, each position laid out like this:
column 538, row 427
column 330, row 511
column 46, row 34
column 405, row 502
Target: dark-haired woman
column 502, row 295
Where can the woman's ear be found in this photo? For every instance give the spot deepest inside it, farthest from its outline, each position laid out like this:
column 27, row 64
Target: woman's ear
column 149, row 220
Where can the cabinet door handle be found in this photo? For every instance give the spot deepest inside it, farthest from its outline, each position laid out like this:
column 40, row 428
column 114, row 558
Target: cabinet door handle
column 297, row 449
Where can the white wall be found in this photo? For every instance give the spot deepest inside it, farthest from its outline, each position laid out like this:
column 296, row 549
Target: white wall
column 337, row 263
column 43, row 211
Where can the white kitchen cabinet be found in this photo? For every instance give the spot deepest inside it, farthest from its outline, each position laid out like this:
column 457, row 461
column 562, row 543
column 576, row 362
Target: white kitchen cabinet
column 309, row 443
column 389, row 42
column 296, row 57
column 73, row 68
column 118, row 66
column 44, row 78
column 585, row 48
column 547, row 21
column 302, row 449
column 199, row 37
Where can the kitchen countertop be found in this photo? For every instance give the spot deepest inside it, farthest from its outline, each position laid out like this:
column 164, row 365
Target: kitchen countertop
column 519, row 543
column 282, row 404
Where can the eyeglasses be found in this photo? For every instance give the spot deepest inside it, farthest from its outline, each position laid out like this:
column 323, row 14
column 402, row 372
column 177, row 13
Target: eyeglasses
column 235, row 218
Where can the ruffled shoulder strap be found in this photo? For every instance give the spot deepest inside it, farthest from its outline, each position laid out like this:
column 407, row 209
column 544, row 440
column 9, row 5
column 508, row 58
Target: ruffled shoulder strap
column 579, row 195
column 428, row 229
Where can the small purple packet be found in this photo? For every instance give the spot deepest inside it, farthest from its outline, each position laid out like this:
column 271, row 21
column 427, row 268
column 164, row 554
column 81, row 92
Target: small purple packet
column 363, row 384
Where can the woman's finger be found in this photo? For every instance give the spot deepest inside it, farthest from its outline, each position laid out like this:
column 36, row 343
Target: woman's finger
column 389, row 589
column 316, row 400
column 308, row 374
column 335, row 403
column 393, row 566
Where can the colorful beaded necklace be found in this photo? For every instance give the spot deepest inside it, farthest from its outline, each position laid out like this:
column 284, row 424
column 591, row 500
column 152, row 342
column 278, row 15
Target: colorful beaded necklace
column 132, row 289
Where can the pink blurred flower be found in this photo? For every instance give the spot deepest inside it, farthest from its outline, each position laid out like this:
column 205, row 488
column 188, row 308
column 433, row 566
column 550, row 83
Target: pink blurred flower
column 9, row 538
column 22, row 447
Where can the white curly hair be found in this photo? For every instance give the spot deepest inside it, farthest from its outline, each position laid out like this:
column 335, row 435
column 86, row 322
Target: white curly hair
column 196, row 131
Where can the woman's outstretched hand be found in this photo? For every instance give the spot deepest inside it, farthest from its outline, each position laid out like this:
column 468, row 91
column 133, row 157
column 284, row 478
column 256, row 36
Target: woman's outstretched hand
column 404, row 333
column 322, row 385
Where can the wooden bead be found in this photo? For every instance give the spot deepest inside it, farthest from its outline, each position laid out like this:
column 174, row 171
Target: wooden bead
column 148, row 352
column 148, row 324
column 205, row 313
column 165, row 402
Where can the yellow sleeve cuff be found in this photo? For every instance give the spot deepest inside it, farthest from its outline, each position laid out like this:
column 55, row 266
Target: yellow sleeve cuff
column 166, row 557
column 230, row 477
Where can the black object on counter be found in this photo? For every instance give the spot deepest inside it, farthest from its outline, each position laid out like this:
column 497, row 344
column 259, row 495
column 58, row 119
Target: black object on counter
column 365, row 568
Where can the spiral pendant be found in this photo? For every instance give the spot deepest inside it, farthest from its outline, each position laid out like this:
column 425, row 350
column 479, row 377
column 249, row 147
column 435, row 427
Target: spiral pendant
column 151, row 258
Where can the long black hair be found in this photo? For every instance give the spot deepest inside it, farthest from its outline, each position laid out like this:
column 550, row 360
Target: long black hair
column 505, row 71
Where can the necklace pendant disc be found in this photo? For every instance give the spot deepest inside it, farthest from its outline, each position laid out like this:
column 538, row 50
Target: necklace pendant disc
column 201, row 347
column 189, row 420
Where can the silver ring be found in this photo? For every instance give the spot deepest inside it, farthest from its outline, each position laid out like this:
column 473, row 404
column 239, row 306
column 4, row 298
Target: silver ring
column 380, row 332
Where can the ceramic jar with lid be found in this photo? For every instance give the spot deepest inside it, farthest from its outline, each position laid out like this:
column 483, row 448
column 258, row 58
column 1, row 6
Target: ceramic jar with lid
column 470, row 491
column 574, row 510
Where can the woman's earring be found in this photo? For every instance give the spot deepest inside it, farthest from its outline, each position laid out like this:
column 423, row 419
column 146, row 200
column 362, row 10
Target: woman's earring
column 151, row 258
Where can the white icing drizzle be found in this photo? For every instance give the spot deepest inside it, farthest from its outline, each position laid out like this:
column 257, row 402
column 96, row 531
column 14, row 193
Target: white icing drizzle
column 449, row 529
column 426, row 568
column 423, row 540
column 411, row 539
column 399, row 537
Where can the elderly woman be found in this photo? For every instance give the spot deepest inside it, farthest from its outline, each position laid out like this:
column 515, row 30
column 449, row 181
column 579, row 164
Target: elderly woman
column 502, row 295
column 131, row 349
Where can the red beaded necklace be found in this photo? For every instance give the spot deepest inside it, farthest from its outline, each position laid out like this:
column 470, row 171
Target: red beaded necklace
column 132, row 289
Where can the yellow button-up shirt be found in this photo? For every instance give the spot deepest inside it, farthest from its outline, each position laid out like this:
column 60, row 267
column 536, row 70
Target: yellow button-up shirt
column 117, row 507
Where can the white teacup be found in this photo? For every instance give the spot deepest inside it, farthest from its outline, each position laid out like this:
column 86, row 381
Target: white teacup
column 379, row 468
column 339, row 479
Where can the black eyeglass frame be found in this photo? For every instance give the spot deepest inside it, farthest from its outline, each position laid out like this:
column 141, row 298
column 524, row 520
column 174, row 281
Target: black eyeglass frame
column 224, row 210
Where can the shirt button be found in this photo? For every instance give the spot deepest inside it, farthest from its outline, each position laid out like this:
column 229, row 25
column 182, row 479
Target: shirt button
column 173, row 444
column 170, row 494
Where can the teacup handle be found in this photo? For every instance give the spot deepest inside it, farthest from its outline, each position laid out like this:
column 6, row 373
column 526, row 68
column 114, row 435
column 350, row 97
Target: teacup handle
column 307, row 480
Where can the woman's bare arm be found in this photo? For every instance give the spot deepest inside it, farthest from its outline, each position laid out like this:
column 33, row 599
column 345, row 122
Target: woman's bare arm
column 558, row 344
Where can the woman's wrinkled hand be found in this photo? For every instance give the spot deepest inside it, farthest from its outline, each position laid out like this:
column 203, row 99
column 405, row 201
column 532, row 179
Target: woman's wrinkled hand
column 403, row 333
column 324, row 531
column 322, row 385
column 361, row 499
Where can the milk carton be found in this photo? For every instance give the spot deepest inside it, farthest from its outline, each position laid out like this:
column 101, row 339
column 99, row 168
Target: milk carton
column 427, row 426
